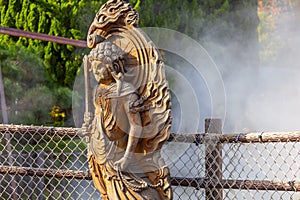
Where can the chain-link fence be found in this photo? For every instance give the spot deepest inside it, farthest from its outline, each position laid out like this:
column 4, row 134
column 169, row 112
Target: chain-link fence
column 50, row 163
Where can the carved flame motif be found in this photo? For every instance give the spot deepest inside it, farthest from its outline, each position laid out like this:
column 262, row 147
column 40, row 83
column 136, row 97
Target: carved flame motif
column 132, row 108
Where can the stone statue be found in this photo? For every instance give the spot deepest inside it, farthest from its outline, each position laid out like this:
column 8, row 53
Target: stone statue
column 132, row 115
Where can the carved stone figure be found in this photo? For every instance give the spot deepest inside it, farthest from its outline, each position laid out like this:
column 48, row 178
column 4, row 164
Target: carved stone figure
column 132, row 115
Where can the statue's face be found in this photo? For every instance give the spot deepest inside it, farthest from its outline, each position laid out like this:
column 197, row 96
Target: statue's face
column 100, row 71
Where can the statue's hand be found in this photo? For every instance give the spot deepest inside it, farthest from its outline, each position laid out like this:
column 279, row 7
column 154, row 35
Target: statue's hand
column 86, row 126
column 122, row 163
column 87, row 120
column 117, row 77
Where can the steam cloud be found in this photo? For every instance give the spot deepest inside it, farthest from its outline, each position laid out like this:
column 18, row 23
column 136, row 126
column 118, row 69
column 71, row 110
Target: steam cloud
column 266, row 97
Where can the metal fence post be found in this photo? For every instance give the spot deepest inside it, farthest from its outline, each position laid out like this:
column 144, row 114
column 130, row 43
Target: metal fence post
column 213, row 160
column 7, row 135
column 40, row 160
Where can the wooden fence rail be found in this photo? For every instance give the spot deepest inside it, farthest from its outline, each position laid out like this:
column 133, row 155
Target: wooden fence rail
column 176, row 181
column 199, row 138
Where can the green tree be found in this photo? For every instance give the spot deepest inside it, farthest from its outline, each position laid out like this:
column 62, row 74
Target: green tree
column 59, row 63
column 59, row 18
column 29, row 95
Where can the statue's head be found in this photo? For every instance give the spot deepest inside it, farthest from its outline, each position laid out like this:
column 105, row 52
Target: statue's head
column 106, row 58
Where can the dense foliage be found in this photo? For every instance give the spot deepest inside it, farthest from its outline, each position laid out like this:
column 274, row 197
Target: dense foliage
column 60, row 18
column 59, row 64
column 29, row 95
column 220, row 22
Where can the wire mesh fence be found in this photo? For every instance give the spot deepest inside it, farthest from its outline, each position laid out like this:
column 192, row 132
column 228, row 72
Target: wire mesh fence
column 51, row 163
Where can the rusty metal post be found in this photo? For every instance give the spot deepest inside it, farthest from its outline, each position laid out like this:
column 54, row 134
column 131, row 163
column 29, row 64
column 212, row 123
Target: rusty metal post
column 213, row 160
column 7, row 135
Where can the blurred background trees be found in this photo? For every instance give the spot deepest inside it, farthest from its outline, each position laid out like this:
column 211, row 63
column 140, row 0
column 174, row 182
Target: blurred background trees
column 279, row 21
column 30, row 96
column 39, row 75
column 223, row 27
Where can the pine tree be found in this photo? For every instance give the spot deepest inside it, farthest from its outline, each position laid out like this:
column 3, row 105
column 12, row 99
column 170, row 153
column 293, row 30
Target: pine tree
column 61, row 62
column 52, row 17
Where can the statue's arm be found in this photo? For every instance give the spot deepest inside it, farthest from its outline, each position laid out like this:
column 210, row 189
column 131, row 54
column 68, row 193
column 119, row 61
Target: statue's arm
column 134, row 131
column 134, row 134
